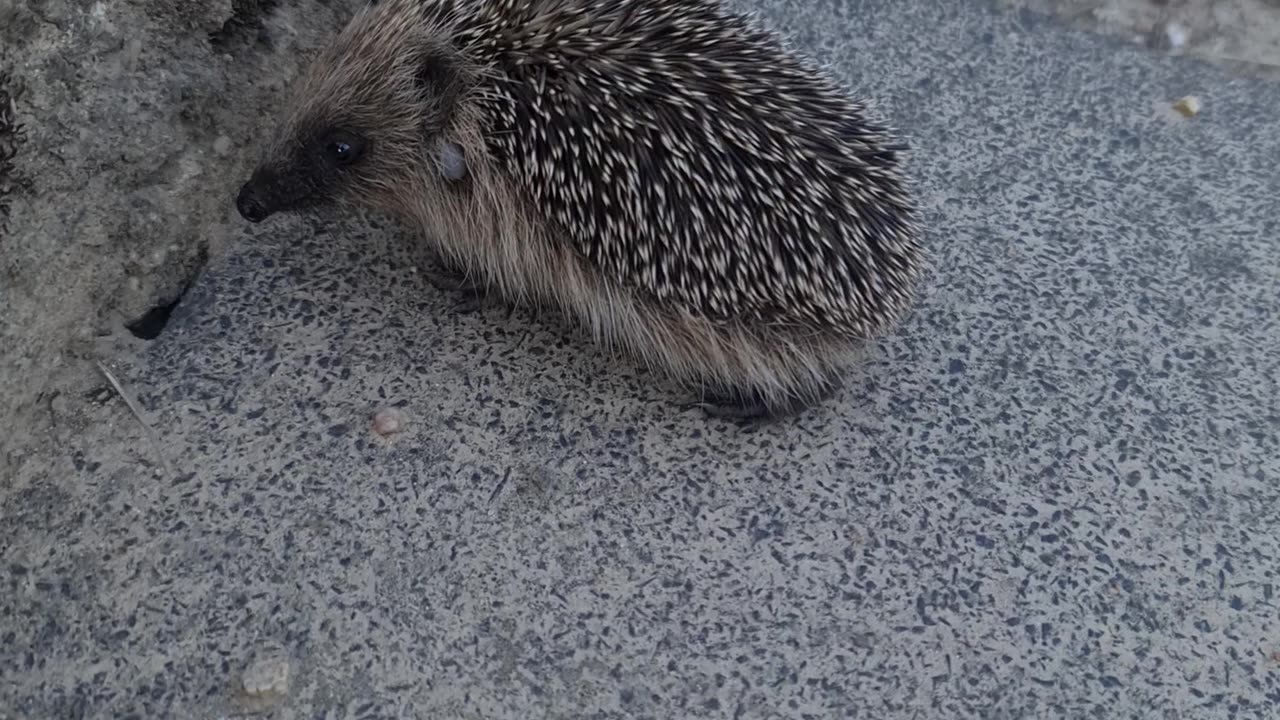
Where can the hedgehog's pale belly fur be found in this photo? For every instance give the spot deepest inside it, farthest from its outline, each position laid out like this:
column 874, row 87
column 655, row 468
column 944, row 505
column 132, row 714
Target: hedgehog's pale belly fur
column 485, row 230
column 776, row 308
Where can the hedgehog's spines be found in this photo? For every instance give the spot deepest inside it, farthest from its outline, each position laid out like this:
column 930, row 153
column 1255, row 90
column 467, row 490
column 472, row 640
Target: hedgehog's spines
column 767, row 150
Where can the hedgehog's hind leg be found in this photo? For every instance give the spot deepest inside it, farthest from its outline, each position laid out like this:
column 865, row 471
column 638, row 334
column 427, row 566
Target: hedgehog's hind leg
column 750, row 404
column 729, row 405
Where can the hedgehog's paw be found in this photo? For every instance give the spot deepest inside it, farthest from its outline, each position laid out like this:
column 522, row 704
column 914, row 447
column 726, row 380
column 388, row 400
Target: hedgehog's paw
column 449, row 279
column 471, row 302
column 470, row 296
column 751, row 405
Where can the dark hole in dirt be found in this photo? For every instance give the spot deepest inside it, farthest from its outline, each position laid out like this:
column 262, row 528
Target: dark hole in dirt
column 12, row 135
column 153, row 321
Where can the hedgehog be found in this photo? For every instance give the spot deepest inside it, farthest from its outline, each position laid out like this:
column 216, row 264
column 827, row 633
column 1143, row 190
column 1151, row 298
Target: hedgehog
column 666, row 173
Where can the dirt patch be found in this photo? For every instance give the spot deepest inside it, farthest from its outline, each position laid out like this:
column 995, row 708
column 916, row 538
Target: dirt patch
column 139, row 117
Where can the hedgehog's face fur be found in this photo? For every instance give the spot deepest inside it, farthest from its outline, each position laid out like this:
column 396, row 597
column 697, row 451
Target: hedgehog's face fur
column 362, row 121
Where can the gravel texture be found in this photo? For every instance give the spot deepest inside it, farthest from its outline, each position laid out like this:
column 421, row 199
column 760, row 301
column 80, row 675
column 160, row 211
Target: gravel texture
column 1052, row 493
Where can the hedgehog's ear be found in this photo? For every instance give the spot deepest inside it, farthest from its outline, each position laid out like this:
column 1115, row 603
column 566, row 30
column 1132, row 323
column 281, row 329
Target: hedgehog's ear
column 439, row 79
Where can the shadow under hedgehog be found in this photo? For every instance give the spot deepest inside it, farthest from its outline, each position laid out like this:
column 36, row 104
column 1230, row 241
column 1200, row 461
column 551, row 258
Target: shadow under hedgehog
column 665, row 172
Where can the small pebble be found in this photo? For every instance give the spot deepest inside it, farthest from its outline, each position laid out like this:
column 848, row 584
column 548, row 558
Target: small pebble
column 388, row 421
column 266, row 676
column 265, row 682
column 1188, row 106
column 222, row 145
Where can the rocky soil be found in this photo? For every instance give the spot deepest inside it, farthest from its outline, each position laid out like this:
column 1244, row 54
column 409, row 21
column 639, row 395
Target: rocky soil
column 127, row 125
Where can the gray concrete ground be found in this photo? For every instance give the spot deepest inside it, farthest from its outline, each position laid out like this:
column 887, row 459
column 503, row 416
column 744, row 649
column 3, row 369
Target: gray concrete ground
column 1053, row 493
column 1242, row 34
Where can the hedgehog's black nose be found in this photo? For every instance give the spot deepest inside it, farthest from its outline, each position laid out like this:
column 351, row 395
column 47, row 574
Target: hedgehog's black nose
column 251, row 206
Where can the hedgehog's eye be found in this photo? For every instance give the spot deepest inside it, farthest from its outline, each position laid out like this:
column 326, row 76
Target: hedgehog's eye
column 340, row 150
column 343, row 148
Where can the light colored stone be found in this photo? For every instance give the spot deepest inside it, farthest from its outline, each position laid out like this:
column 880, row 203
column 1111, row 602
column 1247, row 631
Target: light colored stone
column 265, row 681
column 388, row 421
column 1188, row 106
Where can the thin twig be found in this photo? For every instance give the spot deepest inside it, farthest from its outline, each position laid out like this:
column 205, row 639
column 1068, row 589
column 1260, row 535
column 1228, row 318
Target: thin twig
column 137, row 413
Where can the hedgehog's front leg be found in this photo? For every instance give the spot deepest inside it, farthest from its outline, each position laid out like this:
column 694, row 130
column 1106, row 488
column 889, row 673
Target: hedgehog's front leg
column 450, row 278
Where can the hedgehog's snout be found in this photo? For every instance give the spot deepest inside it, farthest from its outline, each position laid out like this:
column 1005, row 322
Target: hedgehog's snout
column 251, row 205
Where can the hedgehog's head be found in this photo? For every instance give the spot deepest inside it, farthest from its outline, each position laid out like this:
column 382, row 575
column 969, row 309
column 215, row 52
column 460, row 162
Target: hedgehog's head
column 364, row 119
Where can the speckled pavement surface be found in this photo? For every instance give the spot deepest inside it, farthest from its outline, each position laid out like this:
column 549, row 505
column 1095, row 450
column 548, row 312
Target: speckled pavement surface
column 1053, row 493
